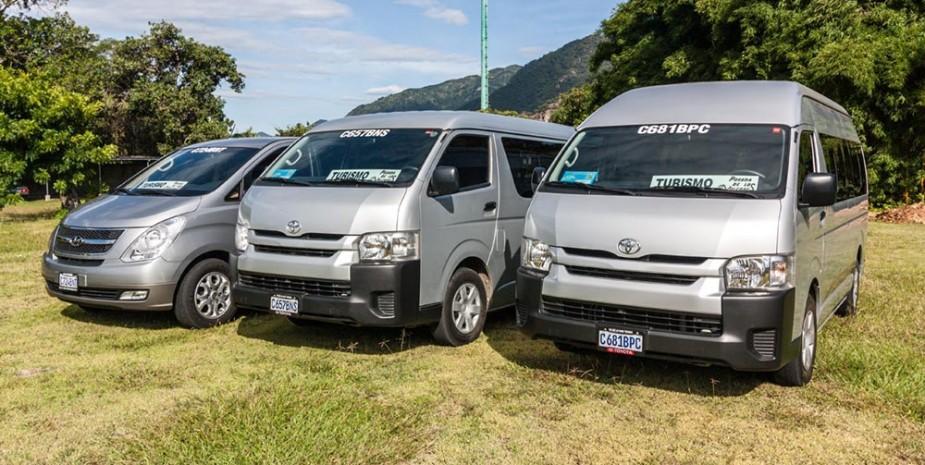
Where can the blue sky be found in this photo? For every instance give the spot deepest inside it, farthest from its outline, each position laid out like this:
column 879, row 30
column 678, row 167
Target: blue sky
column 317, row 59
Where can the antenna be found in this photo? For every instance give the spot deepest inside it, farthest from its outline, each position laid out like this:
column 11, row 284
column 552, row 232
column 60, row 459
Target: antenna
column 484, row 55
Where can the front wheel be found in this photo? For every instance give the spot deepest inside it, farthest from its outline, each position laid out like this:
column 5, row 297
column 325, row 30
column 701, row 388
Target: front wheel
column 465, row 307
column 203, row 297
column 799, row 371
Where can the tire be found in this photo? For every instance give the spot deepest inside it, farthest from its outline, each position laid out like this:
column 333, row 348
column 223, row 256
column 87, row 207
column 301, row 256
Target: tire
column 302, row 323
column 203, row 298
column 850, row 307
column 465, row 307
column 799, row 371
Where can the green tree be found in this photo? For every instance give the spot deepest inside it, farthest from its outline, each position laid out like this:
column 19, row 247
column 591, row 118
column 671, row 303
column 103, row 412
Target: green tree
column 294, row 130
column 868, row 55
column 23, row 5
column 46, row 133
column 160, row 87
column 574, row 106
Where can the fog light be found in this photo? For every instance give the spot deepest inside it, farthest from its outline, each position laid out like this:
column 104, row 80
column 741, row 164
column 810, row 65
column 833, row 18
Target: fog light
column 134, row 295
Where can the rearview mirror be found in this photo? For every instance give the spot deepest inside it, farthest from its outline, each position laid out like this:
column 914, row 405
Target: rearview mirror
column 538, row 174
column 818, row 190
column 444, row 181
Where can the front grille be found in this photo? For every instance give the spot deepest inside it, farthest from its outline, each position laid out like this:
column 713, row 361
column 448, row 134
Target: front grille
column 658, row 320
column 385, row 304
column 106, row 294
column 763, row 342
column 623, row 275
column 654, row 258
column 85, row 241
column 79, row 261
column 294, row 251
column 312, row 236
column 317, row 287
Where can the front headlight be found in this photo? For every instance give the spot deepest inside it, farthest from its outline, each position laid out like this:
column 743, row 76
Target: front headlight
column 240, row 234
column 153, row 242
column 388, row 246
column 535, row 255
column 763, row 272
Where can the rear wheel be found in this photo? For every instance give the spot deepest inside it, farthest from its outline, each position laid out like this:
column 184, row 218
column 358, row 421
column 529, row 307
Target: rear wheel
column 799, row 371
column 203, row 297
column 850, row 308
column 465, row 307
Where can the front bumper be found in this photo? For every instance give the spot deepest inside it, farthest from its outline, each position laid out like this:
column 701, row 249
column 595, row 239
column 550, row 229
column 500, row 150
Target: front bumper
column 100, row 286
column 371, row 286
column 743, row 316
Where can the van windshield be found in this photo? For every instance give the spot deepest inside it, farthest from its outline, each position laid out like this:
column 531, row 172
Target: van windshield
column 188, row 172
column 374, row 157
column 711, row 160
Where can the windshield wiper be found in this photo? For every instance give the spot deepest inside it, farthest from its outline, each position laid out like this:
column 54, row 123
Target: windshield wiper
column 288, row 182
column 706, row 191
column 358, row 182
column 154, row 193
column 590, row 187
column 122, row 190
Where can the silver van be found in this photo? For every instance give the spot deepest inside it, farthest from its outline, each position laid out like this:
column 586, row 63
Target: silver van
column 714, row 223
column 162, row 239
column 399, row 219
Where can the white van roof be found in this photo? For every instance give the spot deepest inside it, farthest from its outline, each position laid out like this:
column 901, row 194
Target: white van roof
column 449, row 120
column 730, row 102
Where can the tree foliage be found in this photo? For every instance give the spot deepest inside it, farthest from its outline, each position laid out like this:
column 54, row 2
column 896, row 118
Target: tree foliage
column 295, row 130
column 868, row 55
column 159, row 92
column 46, row 132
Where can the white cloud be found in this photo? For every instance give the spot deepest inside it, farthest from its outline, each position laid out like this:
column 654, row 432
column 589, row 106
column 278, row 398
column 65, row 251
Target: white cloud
column 385, row 90
column 436, row 10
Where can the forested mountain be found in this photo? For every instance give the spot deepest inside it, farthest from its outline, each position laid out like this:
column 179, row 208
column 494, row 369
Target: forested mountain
column 449, row 95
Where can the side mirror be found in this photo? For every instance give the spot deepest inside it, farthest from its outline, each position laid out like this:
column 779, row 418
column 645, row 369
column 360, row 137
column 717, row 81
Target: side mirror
column 538, row 174
column 444, row 181
column 818, row 190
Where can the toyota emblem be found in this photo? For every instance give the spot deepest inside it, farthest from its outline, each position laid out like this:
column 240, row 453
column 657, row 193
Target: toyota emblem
column 76, row 241
column 628, row 246
column 293, row 227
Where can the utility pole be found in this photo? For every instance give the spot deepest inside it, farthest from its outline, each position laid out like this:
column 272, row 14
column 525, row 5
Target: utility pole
column 484, row 55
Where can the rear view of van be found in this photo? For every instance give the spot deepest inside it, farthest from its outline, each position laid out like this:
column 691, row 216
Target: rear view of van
column 718, row 223
column 400, row 219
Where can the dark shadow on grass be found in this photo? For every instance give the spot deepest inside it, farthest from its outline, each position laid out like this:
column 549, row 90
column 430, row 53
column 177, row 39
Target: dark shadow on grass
column 371, row 341
column 15, row 216
column 122, row 318
column 537, row 354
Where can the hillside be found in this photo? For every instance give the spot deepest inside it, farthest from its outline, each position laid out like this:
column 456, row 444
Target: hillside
column 449, row 95
column 525, row 89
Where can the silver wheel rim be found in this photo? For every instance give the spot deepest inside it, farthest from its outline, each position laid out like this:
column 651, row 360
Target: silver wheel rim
column 467, row 308
column 809, row 341
column 212, row 295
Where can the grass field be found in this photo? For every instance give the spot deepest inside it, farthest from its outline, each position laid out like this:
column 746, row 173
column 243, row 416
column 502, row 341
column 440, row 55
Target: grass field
column 134, row 388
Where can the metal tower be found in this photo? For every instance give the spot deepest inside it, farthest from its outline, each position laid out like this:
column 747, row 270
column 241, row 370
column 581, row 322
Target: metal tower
column 484, row 54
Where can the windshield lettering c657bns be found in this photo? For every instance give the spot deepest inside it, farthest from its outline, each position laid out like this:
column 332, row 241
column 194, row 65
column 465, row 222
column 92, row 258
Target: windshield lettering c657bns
column 377, row 157
column 675, row 159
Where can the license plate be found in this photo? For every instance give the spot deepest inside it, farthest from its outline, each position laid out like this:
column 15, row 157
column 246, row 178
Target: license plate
column 619, row 341
column 284, row 305
column 67, row 281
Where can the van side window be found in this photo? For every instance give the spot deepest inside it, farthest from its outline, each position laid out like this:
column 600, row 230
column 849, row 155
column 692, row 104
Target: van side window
column 259, row 168
column 523, row 156
column 844, row 159
column 470, row 155
column 806, row 158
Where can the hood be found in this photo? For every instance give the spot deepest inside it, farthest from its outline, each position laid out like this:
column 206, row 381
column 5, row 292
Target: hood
column 681, row 226
column 129, row 211
column 325, row 210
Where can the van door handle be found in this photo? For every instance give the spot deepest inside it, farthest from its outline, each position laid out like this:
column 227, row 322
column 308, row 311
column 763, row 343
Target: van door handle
column 491, row 206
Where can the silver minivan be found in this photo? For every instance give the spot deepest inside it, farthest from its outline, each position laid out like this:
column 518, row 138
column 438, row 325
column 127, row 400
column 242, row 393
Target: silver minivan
column 713, row 223
column 162, row 239
column 399, row 219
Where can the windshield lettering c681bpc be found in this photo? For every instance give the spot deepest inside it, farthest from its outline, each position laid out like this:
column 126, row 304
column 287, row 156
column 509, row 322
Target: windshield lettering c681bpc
column 380, row 157
column 675, row 159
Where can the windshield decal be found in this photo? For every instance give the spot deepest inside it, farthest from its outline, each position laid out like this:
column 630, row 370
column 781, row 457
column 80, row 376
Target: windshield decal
column 706, row 181
column 364, row 175
column 583, row 177
column 365, row 133
column 282, row 173
column 208, row 150
column 163, row 185
column 674, row 129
